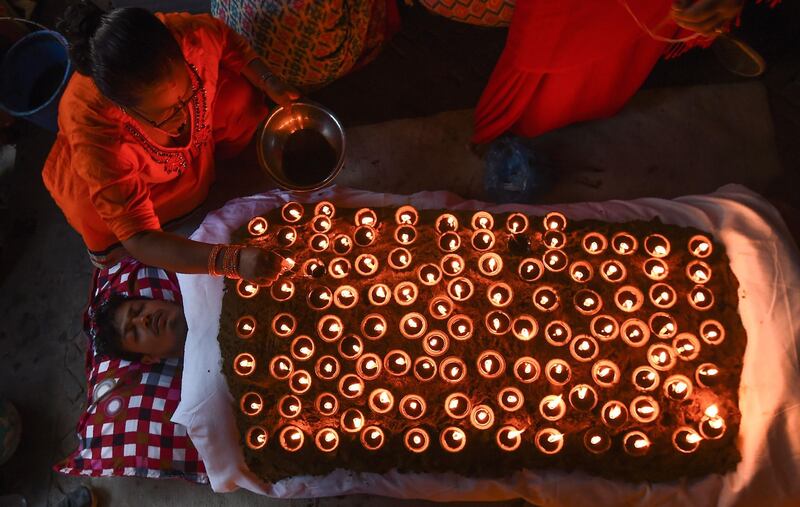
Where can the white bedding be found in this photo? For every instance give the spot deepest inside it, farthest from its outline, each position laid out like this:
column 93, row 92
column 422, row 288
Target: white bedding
column 762, row 256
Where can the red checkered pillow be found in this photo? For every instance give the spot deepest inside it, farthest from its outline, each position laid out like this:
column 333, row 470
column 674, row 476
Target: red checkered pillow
column 126, row 428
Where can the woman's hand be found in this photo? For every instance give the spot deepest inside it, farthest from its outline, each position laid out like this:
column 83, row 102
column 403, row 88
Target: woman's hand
column 261, row 266
column 280, row 92
column 705, row 16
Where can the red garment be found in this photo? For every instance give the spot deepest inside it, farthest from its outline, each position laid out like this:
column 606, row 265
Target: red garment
column 567, row 61
column 111, row 181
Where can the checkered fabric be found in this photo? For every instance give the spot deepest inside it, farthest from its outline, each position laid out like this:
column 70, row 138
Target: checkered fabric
column 126, row 428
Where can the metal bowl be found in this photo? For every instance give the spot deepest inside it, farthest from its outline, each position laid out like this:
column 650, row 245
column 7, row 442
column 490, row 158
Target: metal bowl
column 281, row 124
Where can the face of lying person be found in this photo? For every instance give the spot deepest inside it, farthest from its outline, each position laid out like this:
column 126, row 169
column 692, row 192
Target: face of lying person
column 154, row 328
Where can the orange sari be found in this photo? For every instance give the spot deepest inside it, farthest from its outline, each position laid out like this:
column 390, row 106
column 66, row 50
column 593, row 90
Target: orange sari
column 112, row 181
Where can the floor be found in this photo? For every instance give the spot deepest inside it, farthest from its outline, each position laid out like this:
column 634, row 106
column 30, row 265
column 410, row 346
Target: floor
column 677, row 136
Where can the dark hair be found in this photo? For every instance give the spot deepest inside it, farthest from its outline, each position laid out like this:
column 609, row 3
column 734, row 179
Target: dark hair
column 108, row 340
column 125, row 51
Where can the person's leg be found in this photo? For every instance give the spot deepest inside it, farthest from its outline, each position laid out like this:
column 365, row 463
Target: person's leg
column 238, row 111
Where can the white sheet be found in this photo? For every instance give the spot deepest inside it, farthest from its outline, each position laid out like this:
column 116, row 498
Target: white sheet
column 763, row 258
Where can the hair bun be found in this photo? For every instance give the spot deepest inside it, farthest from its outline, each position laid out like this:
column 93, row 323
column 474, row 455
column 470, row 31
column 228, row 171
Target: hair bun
column 79, row 24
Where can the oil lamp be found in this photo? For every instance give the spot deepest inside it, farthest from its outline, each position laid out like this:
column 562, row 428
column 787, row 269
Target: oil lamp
column 397, row 362
column 552, row 407
column 613, row 271
column 368, row 366
column 524, row 327
column 399, row 258
column 449, row 242
column 424, row 368
column 282, row 290
column 244, row 364
column 624, row 243
column 482, row 220
column 584, row 348
column 352, row 420
column 526, row 369
column 412, row 407
column 530, row 269
column 365, row 217
column 245, row 327
column 614, row 414
column 707, row 375
column 327, row 439
column 583, row 397
column 490, row 264
column 327, row 368
column 644, row 409
column 284, row 324
column 452, row 369
column 491, row 364
column 452, row 439
column 330, row 328
column 325, row 208
column 604, row 327
column 628, row 298
column 700, row 246
column 661, row 357
column 557, row 333
column 510, row 399
column 460, row 327
column 452, row 264
column 289, row 406
column 300, row 381
column 342, row 244
column 549, row 440
column 321, row 224
column 440, row 307
column 545, row 298
column 413, row 325
column 446, row 222
column 482, row 240
column 509, row 438
column 405, row 235
column 635, row 333
column 256, row 437
column 291, row 438
column 655, row 269
column 381, row 401
column 339, row 267
column 460, row 288
column 645, row 379
column 251, row 403
column 416, row 440
column 405, row 293
column 497, row 322
column 656, row 245
column 379, row 294
column 292, row 212
column 663, row 325
column 554, row 239
column 687, row 346
column 677, row 387
column 636, row 443
column 364, row 235
column 555, row 260
column 257, row 226
column 516, row 223
column 712, row 332
column 686, row 439
column 500, row 294
column 373, row 326
column 351, row 347
column 698, row 271
column 594, row 243
column 712, row 426
column 326, row 404
column 429, row 274
column 596, row 440
column 351, row 386
column 345, row 297
column 314, row 268
column 555, row 221
column 372, row 438
column 367, row 264
column 701, row 298
column 457, row 405
column 557, row 372
column 481, row 417
column 286, row 236
column 662, row 295
column 581, row 271
column 302, row 347
column 406, row 215
column 435, row 343
column 587, row 301
column 281, row 367
column 605, row 373
column 246, row 289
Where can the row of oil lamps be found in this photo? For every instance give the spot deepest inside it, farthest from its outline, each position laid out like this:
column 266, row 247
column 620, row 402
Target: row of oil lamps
column 549, row 440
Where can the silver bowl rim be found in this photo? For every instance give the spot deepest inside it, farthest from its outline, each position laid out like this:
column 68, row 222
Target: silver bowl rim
column 263, row 163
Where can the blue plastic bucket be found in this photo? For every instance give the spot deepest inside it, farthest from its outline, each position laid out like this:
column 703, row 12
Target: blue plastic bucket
column 33, row 75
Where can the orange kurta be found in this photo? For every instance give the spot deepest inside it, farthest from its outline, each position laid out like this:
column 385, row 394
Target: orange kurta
column 111, row 181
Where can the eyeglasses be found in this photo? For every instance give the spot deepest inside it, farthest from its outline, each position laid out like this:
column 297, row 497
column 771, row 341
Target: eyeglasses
column 177, row 108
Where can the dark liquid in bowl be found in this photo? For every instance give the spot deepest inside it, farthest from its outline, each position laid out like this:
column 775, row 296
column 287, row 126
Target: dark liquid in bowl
column 308, row 158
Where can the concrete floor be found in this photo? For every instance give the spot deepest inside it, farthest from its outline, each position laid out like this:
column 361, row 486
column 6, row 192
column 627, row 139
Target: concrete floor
column 667, row 142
